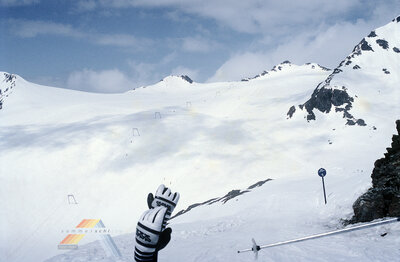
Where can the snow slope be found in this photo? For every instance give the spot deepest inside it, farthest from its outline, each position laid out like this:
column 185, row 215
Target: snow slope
column 201, row 140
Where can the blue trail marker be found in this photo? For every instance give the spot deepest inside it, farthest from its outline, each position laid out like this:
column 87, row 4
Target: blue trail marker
column 322, row 174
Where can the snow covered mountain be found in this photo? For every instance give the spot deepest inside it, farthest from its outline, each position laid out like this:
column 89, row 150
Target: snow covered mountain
column 203, row 140
column 287, row 66
column 370, row 71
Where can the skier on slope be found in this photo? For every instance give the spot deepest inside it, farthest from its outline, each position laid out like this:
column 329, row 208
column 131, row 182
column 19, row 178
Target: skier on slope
column 151, row 234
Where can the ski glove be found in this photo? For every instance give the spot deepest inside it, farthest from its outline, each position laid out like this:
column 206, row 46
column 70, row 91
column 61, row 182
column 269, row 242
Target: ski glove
column 164, row 197
column 150, row 238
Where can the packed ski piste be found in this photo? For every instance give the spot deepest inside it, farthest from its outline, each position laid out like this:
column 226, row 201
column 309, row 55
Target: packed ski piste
column 98, row 175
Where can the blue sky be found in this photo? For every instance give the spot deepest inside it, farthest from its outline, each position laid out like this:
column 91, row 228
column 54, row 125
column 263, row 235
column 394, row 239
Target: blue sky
column 116, row 45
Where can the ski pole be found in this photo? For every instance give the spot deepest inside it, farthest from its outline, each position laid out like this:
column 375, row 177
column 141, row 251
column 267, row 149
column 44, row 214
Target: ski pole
column 255, row 248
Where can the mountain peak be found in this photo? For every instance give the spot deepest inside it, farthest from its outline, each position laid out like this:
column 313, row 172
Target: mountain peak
column 175, row 77
column 373, row 58
column 284, row 66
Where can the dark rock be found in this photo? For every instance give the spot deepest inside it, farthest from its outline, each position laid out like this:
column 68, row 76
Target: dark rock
column 396, row 49
column 382, row 43
column 187, row 79
column 348, row 62
column 230, row 195
column 259, row 183
column 323, row 99
column 372, row 34
column 292, row 109
column 324, row 68
column 365, row 46
column 386, row 71
column 356, row 67
column 286, row 62
column 257, row 76
column 193, row 206
column 337, row 71
column 347, row 115
column 361, row 122
column 9, row 79
column 350, row 122
column 383, row 198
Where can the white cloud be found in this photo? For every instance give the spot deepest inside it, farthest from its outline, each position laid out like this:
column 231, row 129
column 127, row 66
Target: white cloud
column 326, row 45
column 144, row 73
column 122, row 40
column 181, row 70
column 106, row 81
column 256, row 16
column 30, row 29
column 18, row 2
column 240, row 66
column 198, row 44
column 86, row 5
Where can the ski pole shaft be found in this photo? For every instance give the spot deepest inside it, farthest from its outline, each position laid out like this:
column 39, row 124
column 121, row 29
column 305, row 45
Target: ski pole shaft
column 387, row 221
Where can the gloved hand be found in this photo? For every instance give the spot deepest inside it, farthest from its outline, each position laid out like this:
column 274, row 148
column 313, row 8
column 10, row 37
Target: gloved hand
column 150, row 238
column 164, row 197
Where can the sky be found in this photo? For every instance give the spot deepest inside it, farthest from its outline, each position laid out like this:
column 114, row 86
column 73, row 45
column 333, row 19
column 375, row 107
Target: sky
column 112, row 46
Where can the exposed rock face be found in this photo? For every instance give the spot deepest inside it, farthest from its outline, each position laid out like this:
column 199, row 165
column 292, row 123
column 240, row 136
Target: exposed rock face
column 230, row 195
column 6, row 85
column 292, row 109
column 187, row 79
column 323, row 99
column 383, row 43
column 383, row 198
column 365, row 46
column 330, row 96
column 274, row 69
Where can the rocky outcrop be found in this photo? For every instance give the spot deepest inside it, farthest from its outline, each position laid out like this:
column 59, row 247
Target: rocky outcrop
column 230, row 195
column 187, row 79
column 6, row 86
column 329, row 96
column 383, row 198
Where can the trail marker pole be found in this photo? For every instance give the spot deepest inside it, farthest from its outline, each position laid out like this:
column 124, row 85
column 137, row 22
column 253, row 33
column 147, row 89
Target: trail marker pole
column 71, row 199
column 322, row 174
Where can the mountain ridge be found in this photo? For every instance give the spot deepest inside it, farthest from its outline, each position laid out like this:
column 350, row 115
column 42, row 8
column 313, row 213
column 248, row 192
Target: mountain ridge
column 332, row 94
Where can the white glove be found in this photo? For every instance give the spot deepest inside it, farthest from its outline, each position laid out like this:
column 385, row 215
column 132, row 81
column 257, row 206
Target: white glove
column 149, row 234
column 164, row 197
